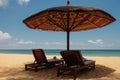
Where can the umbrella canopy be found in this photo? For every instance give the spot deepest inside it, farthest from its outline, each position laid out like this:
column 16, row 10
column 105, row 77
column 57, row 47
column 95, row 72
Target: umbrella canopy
column 69, row 18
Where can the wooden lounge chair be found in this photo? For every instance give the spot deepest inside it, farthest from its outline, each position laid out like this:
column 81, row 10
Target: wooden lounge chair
column 42, row 61
column 74, row 62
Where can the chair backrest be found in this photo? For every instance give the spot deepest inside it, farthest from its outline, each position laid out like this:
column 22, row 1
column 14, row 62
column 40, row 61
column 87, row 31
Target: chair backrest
column 80, row 58
column 39, row 56
column 72, row 57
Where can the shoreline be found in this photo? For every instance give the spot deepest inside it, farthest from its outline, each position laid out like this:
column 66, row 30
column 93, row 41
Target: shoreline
column 85, row 52
column 107, row 68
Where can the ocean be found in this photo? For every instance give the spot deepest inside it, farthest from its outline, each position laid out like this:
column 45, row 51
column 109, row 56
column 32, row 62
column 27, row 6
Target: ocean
column 109, row 53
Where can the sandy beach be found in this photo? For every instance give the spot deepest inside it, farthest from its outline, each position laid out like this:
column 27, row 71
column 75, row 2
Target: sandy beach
column 12, row 68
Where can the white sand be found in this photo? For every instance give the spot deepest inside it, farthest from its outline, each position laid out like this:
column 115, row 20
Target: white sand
column 12, row 68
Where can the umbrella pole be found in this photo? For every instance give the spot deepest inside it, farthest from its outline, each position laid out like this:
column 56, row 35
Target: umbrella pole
column 68, row 31
column 68, row 42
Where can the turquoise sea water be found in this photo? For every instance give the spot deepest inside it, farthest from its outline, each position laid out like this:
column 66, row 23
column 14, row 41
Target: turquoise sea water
column 57, row 52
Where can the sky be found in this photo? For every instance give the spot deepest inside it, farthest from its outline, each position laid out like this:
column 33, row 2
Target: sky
column 14, row 34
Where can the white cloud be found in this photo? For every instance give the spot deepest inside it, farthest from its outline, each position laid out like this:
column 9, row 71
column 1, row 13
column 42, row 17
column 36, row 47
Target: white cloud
column 21, row 2
column 4, row 35
column 3, row 3
column 52, row 43
column 97, row 42
column 24, row 42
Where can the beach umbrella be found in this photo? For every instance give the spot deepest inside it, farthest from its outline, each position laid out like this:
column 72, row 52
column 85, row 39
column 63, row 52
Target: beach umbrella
column 69, row 18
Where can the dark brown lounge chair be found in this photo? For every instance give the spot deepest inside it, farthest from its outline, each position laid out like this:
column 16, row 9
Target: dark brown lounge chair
column 74, row 62
column 42, row 61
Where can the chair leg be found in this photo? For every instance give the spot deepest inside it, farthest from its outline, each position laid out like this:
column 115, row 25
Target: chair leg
column 26, row 67
column 36, row 68
column 94, row 66
column 74, row 74
column 58, row 71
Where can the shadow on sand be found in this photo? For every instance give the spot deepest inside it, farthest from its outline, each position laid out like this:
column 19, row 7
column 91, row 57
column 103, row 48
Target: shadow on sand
column 50, row 74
